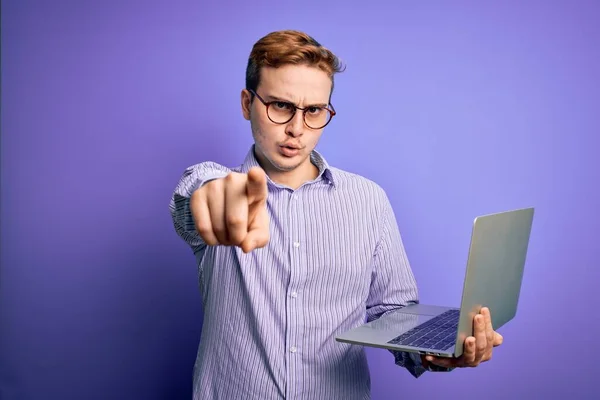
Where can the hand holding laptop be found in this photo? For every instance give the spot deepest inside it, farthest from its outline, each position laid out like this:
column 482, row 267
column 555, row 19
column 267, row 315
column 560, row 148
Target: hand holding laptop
column 449, row 336
column 478, row 348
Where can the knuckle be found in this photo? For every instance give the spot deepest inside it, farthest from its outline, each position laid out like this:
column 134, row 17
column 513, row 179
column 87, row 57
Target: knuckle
column 233, row 177
column 212, row 185
column 234, row 221
column 196, row 194
column 203, row 229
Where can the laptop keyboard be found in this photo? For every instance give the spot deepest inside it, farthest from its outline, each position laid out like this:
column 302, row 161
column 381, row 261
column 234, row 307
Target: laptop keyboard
column 438, row 333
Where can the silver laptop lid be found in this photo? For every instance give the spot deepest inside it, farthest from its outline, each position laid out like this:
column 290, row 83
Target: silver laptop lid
column 495, row 266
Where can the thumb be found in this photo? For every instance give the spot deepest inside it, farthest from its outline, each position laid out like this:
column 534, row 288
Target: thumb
column 256, row 188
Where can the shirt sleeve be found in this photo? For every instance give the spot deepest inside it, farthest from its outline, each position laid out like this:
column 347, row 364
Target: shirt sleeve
column 192, row 179
column 393, row 284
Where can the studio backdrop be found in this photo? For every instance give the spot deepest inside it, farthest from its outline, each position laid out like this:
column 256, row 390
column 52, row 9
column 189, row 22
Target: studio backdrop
column 455, row 108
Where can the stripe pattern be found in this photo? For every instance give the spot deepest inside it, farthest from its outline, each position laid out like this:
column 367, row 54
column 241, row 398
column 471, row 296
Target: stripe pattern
column 335, row 259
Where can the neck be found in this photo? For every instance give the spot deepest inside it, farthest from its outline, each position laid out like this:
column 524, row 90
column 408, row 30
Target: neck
column 295, row 179
column 292, row 179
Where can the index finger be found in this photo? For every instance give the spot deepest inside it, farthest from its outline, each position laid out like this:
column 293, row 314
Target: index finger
column 256, row 188
column 236, row 209
column 480, row 337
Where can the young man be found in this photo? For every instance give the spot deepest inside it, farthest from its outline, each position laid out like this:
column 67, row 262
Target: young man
column 292, row 251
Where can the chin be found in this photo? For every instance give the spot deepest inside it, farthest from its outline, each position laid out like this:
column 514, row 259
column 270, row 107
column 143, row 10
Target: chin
column 285, row 165
column 282, row 163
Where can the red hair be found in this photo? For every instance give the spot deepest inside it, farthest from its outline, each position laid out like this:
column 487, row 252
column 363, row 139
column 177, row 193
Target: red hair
column 289, row 47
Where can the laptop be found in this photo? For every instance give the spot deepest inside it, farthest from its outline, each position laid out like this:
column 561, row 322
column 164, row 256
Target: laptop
column 494, row 273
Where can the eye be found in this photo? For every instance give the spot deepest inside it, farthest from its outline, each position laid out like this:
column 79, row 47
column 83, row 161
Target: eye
column 314, row 110
column 282, row 105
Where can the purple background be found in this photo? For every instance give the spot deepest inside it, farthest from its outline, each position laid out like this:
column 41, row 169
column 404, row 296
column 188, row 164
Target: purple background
column 455, row 108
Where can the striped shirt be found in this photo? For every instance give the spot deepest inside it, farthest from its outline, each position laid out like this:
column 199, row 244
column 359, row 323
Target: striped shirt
column 335, row 259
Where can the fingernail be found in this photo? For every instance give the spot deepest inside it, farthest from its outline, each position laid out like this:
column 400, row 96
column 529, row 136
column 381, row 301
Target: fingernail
column 429, row 358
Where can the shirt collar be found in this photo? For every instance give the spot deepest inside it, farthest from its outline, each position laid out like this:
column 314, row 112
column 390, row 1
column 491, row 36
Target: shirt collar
column 325, row 171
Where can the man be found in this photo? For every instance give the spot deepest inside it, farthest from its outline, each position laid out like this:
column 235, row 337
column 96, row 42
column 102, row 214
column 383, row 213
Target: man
column 292, row 251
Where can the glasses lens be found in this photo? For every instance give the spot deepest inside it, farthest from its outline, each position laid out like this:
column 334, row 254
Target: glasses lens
column 281, row 112
column 314, row 117
column 317, row 117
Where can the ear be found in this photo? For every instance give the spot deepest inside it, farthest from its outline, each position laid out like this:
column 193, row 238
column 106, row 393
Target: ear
column 246, row 104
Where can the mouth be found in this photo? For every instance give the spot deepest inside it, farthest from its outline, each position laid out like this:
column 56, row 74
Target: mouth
column 291, row 146
column 289, row 150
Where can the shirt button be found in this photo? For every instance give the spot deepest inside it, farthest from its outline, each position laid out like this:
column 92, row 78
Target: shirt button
column 294, row 294
column 296, row 244
column 293, row 349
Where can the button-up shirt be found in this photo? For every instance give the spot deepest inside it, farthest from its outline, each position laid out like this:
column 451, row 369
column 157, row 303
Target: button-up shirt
column 335, row 259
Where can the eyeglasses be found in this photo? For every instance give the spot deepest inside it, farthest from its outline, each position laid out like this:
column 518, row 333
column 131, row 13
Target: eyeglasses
column 282, row 112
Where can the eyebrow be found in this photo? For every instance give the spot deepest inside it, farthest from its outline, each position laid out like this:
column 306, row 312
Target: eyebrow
column 275, row 98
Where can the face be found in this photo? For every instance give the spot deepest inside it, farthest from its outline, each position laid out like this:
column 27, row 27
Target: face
column 285, row 148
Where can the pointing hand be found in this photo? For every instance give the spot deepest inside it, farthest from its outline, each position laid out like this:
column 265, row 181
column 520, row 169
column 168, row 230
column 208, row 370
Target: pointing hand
column 232, row 211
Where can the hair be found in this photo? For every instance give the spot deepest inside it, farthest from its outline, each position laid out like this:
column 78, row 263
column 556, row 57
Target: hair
column 289, row 47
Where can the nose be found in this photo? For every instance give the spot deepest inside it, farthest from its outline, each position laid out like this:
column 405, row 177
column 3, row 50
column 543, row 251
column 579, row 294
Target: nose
column 295, row 127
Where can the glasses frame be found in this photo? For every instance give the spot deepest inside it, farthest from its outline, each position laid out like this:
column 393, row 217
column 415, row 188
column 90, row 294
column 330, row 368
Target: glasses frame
column 267, row 104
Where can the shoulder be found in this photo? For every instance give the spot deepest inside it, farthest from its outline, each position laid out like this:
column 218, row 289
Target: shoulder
column 354, row 182
column 359, row 187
